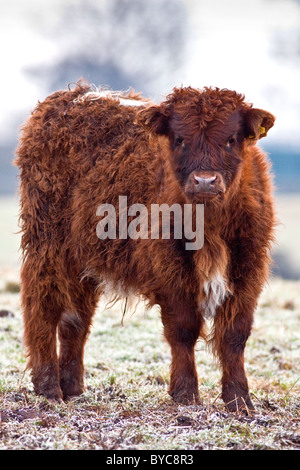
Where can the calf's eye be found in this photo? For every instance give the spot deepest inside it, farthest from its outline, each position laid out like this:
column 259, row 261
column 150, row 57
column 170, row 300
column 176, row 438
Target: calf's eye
column 230, row 142
column 179, row 141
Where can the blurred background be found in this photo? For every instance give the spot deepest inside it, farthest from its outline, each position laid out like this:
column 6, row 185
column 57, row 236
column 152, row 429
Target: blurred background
column 152, row 46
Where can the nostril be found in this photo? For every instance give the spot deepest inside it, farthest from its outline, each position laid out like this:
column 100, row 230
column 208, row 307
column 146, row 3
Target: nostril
column 212, row 180
column 196, row 179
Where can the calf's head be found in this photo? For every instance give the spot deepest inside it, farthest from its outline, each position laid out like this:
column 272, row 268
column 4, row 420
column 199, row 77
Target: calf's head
column 208, row 130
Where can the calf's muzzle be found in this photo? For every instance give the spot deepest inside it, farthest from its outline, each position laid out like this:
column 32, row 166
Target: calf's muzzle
column 207, row 184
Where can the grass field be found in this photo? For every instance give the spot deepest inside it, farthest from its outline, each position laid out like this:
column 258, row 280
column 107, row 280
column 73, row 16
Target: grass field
column 126, row 405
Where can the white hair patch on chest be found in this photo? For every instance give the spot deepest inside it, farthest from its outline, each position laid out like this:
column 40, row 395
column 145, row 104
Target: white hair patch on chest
column 216, row 291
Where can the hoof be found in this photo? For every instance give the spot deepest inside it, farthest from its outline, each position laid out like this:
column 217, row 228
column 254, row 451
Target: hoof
column 240, row 405
column 185, row 398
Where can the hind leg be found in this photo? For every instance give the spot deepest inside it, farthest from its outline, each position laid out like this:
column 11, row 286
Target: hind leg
column 73, row 330
column 42, row 307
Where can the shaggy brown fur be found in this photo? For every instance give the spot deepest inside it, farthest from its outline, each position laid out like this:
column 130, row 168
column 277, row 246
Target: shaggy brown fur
column 198, row 146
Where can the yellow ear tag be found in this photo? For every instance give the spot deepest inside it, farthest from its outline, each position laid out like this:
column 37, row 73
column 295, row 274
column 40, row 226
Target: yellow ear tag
column 262, row 130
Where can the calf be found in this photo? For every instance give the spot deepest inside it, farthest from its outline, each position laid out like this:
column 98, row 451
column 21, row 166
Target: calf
column 81, row 149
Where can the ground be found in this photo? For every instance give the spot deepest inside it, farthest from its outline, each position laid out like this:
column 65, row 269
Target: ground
column 126, row 404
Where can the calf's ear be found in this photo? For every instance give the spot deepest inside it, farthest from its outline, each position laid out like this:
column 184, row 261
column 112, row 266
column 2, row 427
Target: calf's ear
column 257, row 123
column 154, row 120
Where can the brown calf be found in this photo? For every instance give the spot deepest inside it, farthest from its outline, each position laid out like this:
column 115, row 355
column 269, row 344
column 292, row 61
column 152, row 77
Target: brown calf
column 81, row 149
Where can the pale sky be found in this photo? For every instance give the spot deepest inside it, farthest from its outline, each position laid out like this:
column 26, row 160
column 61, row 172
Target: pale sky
column 233, row 41
column 231, row 48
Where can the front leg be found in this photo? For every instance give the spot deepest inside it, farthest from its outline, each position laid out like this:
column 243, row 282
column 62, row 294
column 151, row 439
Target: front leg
column 233, row 324
column 182, row 327
column 248, row 272
column 234, row 319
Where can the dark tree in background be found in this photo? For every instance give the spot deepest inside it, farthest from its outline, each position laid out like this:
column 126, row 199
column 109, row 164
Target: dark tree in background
column 119, row 44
